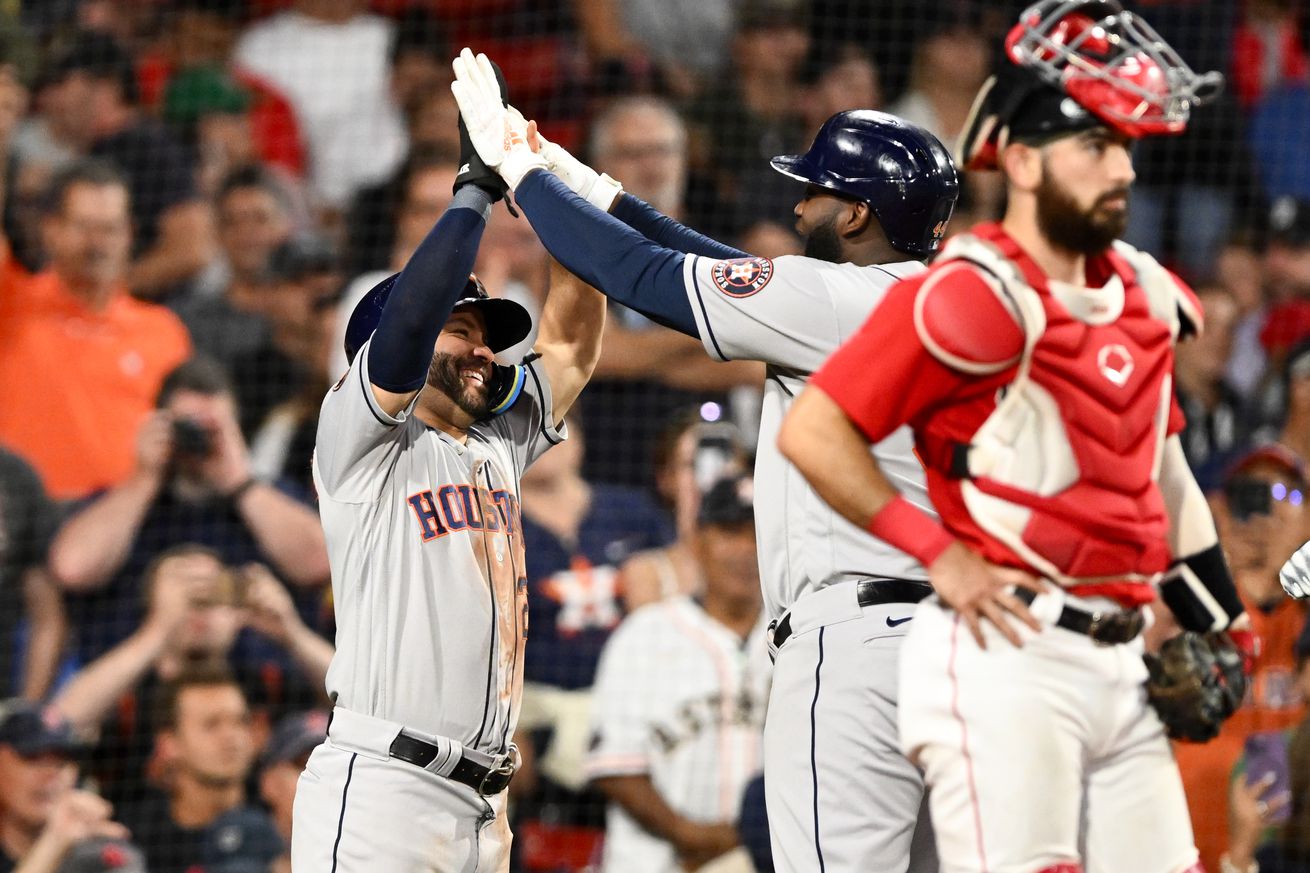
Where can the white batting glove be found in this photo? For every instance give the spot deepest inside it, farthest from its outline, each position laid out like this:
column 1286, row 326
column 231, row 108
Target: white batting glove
column 500, row 137
column 598, row 189
column 1295, row 574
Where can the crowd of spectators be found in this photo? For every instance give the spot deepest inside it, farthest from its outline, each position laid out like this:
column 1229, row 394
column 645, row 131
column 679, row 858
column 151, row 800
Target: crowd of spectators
column 194, row 195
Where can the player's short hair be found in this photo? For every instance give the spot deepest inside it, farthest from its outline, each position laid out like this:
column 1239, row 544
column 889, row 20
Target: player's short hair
column 198, row 374
column 253, row 176
column 92, row 172
column 213, row 673
column 603, row 127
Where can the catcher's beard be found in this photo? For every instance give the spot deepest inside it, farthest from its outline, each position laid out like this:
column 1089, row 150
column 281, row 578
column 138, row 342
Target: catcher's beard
column 823, row 243
column 443, row 375
column 1072, row 228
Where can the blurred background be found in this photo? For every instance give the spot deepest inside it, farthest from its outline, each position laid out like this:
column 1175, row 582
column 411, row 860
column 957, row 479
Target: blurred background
column 196, row 192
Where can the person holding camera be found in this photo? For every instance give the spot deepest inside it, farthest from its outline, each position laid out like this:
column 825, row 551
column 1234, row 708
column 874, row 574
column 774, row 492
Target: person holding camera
column 192, row 484
column 1261, row 517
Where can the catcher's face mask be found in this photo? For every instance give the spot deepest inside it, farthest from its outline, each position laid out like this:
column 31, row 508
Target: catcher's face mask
column 1111, row 62
column 1078, row 64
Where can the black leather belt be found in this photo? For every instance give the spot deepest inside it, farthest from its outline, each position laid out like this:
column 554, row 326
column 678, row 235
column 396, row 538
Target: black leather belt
column 868, row 592
column 1107, row 628
column 484, row 780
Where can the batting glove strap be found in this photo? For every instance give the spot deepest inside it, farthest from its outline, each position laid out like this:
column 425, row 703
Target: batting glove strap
column 499, row 135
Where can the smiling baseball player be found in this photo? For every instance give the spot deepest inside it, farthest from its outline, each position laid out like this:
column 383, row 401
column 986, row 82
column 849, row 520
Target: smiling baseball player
column 880, row 192
column 420, row 449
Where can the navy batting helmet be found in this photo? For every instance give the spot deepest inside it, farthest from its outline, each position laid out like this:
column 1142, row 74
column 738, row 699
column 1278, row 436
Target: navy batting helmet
column 901, row 170
column 507, row 322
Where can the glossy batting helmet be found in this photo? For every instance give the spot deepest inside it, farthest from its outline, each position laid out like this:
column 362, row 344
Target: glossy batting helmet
column 507, row 322
column 901, row 170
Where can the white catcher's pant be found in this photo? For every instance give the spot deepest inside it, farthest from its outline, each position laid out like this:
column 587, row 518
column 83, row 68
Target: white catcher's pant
column 357, row 810
column 1039, row 755
column 841, row 796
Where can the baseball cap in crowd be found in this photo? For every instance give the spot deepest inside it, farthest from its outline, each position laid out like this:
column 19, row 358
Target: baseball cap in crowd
column 1289, row 222
column 242, row 840
column 103, row 855
column 30, row 732
column 730, row 501
column 202, row 91
column 1279, row 457
column 295, row 737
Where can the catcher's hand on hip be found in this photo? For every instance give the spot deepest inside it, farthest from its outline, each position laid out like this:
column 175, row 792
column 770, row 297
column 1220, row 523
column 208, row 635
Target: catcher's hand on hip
column 1295, row 574
column 500, row 136
column 979, row 590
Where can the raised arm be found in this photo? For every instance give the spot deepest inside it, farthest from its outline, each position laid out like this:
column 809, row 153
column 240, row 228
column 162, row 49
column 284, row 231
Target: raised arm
column 572, row 323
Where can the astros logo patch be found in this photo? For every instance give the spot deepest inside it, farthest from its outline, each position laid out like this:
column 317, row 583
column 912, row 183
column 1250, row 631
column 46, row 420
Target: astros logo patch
column 742, row 277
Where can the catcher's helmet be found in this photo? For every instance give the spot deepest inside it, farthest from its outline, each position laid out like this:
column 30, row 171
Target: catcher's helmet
column 507, row 322
column 901, row 170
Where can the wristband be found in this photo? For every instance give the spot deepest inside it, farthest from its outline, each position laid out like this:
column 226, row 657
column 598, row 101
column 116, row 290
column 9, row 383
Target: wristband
column 236, row 493
column 908, row 528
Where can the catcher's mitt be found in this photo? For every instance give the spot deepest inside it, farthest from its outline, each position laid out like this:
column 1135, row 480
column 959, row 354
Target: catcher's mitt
column 1196, row 681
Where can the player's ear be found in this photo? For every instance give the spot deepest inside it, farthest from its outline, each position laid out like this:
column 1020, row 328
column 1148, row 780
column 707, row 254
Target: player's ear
column 858, row 217
column 1023, row 166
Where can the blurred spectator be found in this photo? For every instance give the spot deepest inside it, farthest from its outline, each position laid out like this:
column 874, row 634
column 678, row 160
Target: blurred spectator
column 30, row 604
column 1261, row 517
column 1295, row 433
column 280, row 765
column 684, row 39
column 1218, row 425
column 201, row 820
column 195, row 609
column 1270, row 811
column 646, row 372
column 46, row 824
column 1240, row 269
column 769, row 239
column 388, row 222
column 576, row 534
column 679, row 682
column 420, row 71
column 689, row 456
column 844, row 79
column 80, row 359
column 91, row 103
column 193, row 484
column 1279, row 139
column 198, row 79
column 226, row 315
column 330, row 57
column 1287, row 277
column 950, row 65
column 753, row 114
column 304, row 283
column 1267, row 49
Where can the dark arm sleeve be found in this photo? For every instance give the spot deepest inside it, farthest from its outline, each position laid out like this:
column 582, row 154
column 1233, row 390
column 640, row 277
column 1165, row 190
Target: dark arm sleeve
column 607, row 254
column 659, row 228
column 425, row 293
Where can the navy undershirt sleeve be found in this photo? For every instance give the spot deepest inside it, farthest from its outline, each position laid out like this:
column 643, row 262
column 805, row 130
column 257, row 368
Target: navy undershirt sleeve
column 606, row 253
column 658, row 227
column 425, row 293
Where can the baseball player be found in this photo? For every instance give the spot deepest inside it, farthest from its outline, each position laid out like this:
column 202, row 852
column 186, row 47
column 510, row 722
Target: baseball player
column 1033, row 362
column 880, row 193
column 678, row 706
column 420, row 449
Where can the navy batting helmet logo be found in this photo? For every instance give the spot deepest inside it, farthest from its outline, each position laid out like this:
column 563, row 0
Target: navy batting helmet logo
column 742, row 277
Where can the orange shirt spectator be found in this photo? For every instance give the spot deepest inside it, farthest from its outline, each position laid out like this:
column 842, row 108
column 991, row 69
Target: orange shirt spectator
column 1273, row 703
column 80, row 360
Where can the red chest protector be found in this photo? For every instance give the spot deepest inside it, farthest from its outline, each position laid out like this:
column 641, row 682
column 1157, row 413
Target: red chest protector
column 1062, row 473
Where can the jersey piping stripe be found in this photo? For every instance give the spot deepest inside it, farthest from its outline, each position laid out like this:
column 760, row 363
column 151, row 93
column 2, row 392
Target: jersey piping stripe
column 369, row 400
column 341, row 819
column 964, row 744
column 544, row 412
column 814, row 765
column 705, row 316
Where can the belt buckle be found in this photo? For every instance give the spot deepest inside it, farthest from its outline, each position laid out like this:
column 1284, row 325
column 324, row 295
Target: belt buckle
column 1115, row 628
column 497, row 778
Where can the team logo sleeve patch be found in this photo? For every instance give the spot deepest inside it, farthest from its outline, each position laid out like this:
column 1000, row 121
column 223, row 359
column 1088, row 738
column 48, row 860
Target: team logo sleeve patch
column 742, row 277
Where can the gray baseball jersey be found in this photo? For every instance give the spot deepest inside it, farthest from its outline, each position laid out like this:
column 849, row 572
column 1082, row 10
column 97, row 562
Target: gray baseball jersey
column 792, row 313
column 426, row 548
